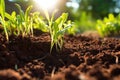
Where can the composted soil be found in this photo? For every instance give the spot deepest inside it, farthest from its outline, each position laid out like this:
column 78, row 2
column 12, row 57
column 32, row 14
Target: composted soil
column 81, row 58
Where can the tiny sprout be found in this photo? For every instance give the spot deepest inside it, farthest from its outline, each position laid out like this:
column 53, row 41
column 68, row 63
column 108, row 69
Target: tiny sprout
column 57, row 29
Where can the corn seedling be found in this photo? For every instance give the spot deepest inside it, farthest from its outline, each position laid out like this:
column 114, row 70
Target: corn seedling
column 11, row 23
column 24, row 21
column 22, row 24
column 57, row 29
column 2, row 17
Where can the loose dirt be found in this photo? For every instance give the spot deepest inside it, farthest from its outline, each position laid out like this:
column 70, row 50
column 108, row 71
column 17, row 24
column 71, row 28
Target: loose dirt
column 81, row 58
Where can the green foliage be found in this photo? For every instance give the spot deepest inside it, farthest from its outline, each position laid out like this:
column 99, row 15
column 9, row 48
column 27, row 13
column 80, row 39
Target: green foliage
column 71, row 30
column 20, row 24
column 39, row 22
column 24, row 23
column 57, row 29
column 109, row 26
column 2, row 8
column 11, row 24
column 2, row 17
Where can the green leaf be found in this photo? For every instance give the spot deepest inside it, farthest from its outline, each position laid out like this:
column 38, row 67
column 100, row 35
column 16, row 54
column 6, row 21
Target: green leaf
column 64, row 17
column 2, row 8
column 53, row 15
column 8, row 16
column 27, row 12
column 13, row 14
column 21, row 12
column 47, row 15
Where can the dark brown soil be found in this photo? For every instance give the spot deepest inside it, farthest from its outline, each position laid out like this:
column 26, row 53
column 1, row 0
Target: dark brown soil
column 82, row 58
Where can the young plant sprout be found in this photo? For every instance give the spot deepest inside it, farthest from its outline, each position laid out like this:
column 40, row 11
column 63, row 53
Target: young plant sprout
column 24, row 23
column 20, row 24
column 57, row 29
column 2, row 17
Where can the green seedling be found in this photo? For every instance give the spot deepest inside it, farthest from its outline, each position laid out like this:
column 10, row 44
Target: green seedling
column 39, row 22
column 57, row 29
column 25, row 22
column 11, row 23
column 73, row 29
column 2, row 17
column 21, row 24
column 108, row 26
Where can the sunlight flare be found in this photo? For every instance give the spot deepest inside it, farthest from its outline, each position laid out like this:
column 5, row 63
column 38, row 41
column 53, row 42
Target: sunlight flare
column 46, row 4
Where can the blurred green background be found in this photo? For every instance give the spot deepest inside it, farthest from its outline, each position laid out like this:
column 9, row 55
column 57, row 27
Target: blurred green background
column 83, row 13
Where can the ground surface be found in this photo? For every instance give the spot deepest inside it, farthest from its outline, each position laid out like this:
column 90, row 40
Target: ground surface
column 82, row 58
